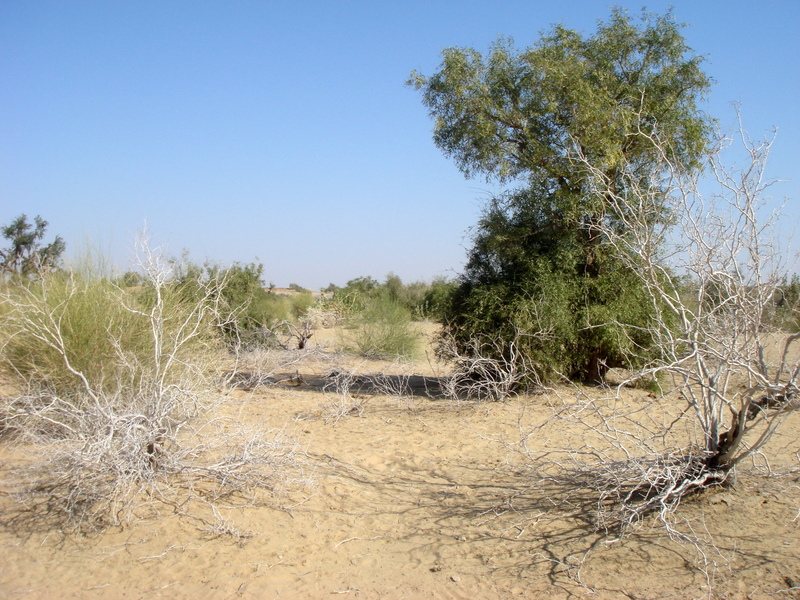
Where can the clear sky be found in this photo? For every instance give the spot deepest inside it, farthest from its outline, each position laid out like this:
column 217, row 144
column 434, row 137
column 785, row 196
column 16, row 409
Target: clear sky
column 283, row 131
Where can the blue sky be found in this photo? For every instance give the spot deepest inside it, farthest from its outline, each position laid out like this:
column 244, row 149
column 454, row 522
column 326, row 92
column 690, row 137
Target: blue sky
column 284, row 132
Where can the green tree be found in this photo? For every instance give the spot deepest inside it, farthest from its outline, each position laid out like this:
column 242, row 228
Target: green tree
column 250, row 314
column 437, row 298
column 352, row 298
column 539, row 274
column 26, row 255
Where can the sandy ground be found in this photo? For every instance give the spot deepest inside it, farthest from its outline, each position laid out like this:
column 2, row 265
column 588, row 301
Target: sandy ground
column 415, row 497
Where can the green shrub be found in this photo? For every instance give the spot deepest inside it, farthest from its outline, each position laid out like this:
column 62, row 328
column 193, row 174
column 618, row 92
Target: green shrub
column 112, row 381
column 382, row 330
column 61, row 325
column 72, row 331
column 300, row 304
column 352, row 299
column 573, row 312
column 423, row 300
column 436, row 299
column 786, row 305
column 250, row 313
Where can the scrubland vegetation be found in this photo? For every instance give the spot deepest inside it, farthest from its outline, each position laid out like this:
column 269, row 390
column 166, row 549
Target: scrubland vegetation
column 609, row 254
column 114, row 396
column 608, row 268
column 115, row 383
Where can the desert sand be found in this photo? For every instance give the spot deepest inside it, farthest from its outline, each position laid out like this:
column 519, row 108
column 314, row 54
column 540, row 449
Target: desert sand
column 413, row 497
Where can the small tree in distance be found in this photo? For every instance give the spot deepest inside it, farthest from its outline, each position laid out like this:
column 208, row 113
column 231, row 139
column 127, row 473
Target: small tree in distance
column 26, row 255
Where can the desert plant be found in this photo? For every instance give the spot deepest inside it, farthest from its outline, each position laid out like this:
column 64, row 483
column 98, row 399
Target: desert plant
column 352, row 298
column 253, row 320
column 489, row 369
column 382, row 330
column 786, row 305
column 72, row 331
column 342, row 395
column 436, row 300
column 512, row 116
column 423, row 300
column 249, row 314
column 104, row 429
column 715, row 359
column 26, row 255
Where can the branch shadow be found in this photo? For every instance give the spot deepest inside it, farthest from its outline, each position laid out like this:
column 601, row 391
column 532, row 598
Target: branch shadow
column 534, row 532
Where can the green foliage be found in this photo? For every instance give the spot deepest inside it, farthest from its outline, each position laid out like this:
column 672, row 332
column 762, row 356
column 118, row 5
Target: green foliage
column 130, row 279
column 383, row 329
column 26, row 255
column 109, row 379
column 786, row 305
column 270, row 309
column 250, row 311
column 516, row 114
column 245, row 297
column 353, row 297
column 436, row 299
column 538, row 267
column 70, row 331
column 575, row 321
column 422, row 300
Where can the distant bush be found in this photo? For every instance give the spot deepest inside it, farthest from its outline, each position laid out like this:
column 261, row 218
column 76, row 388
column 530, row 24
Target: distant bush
column 352, row 299
column 250, row 311
column 437, row 298
column 382, row 330
column 786, row 305
column 422, row 300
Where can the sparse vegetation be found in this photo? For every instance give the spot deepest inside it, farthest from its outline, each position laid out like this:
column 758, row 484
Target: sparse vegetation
column 608, row 256
column 604, row 404
column 422, row 300
column 729, row 379
column 786, row 304
column 251, row 314
column 115, row 388
column 383, row 329
column 380, row 315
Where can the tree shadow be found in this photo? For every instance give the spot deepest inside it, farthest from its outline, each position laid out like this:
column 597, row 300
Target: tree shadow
column 336, row 380
column 542, row 531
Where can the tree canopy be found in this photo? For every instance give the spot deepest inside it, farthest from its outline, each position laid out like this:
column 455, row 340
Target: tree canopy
column 517, row 114
column 520, row 117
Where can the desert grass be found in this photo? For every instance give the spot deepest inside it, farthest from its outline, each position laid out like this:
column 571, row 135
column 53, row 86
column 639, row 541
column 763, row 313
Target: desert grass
column 113, row 393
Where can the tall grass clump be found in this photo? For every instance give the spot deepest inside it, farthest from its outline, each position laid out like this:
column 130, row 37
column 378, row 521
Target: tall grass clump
column 73, row 334
column 383, row 329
